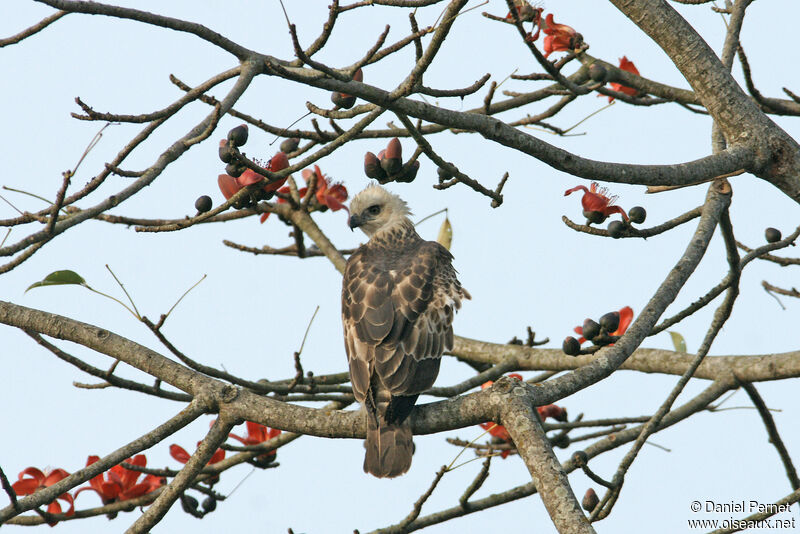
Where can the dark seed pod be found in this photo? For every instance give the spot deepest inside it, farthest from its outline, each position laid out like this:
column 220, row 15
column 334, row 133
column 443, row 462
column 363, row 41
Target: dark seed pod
column 189, row 504
column 238, row 135
column 772, row 235
column 242, row 203
column 234, row 169
column 443, row 174
column 591, row 329
column 290, row 145
column 594, row 217
column 610, row 322
column 562, row 441
column 226, row 151
column 372, row 166
column 203, row 204
column 637, row 214
column 571, row 347
column 263, row 461
column 562, row 416
column 616, row 229
column 209, row 504
column 597, row 72
column 590, row 500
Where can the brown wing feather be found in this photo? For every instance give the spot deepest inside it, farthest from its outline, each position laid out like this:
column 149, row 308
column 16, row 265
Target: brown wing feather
column 398, row 317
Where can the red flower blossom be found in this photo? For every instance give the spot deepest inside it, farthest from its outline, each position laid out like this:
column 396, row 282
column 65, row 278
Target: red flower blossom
column 331, row 196
column 120, row 484
column 180, row 454
column 256, row 433
column 527, row 13
column 625, row 320
column 596, row 199
column 559, row 37
column 328, row 195
column 32, row 480
column 626, row 65
column 230, row 185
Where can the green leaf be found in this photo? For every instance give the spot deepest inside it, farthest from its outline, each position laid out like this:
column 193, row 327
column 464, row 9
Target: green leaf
column 60, row 278
column 445, row 237
column 678, row 342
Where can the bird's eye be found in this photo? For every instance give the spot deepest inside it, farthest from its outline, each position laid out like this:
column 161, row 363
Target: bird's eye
column 374, row 210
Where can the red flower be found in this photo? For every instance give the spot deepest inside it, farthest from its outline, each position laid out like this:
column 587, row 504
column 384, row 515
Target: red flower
column 628, row 66
column 180, row 454
column 256, row 433
column 596, row 199
column 328, row 195
column 120, row 483
column 331, row 196
column 230, row 185
column 527, row 13
column 32, row 480
column 625, row 320
column 559, row 37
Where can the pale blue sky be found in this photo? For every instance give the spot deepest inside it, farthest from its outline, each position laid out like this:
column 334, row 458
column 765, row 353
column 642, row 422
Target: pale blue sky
column 521, row 264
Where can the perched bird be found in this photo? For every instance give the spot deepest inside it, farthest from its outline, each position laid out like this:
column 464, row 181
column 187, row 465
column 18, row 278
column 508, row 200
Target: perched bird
column 399, row 295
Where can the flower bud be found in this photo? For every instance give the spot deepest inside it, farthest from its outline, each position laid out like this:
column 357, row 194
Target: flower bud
column 203, row 204
column 571, row 347
column 238, row 135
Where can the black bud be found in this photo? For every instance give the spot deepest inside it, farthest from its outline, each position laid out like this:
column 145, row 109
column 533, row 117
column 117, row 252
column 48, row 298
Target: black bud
column 616, row 229
column 343, row 101
column 571, row 347
column 591, row 329
column 610, row 322
column 226, row 152
column 238, row 136
column 242, row 203
column 189, row 504
column 234, row 169
column 209, row 504
column 290, row 145
column 562, row 441
column 203, row 204
column 637, row 214
column 773, row 235
column 594, row 217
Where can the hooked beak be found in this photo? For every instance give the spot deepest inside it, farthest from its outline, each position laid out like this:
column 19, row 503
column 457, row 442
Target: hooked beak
column 354, row 221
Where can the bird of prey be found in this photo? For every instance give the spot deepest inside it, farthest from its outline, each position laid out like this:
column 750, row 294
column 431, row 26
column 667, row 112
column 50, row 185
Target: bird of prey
column 399, row 295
